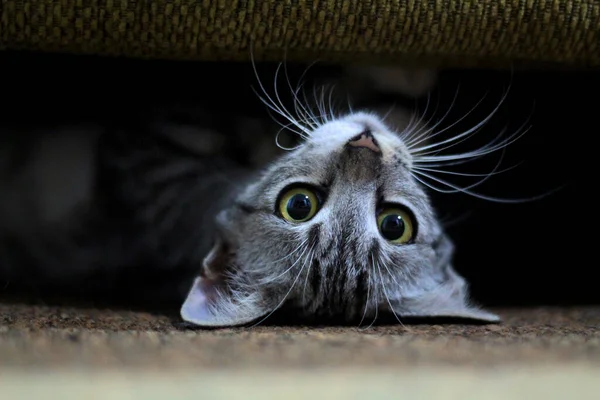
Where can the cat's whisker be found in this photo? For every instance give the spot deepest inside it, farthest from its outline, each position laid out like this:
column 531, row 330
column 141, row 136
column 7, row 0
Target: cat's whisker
column 367, row 303
column 316, row 117
column 281, row 105
column 479, row 182
column 425, row 135
column 410, row 130
column 473, row 130
column 468, row 132
column 300, row 246
column 385, row 291
column 287, row 128
column 279, row 112
column 349, row 103
column 306, row 115
column 376, row 308
column 419, row 127
column 487, row 149
column 465, row 174
column 406, row 131
column 279, row 144
column 475, row 194
column 269, row 102
column 389, row 111
column 441, row 171
column 436, row 151
column 319, row 101
column 433, row 164
column 299, row 107
column 287, row 294
column 310, row 257
column 323, row 103
column 434, row 126
column 310, row 109
column 315, row 103
column 273, row 279
column 331, row 108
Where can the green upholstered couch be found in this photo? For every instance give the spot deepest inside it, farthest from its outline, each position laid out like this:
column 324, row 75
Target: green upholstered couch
column 457, row 33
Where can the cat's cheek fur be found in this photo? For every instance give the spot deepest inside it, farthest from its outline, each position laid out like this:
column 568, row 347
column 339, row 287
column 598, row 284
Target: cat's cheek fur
column 440, row 291
column 448, row 299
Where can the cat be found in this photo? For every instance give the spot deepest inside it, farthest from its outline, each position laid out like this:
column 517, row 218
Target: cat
column 339, row 226
column 345, row 230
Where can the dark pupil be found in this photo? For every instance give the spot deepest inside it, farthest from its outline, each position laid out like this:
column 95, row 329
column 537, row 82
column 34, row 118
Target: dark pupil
column 392, row 227
column 298, row 207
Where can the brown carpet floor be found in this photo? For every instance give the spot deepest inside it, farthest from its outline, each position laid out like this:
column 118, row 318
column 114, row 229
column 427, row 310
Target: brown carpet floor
column 67, row 337
column 69, row 353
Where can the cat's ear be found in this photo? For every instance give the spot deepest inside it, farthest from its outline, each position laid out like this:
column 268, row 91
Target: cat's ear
column 446, row 295
column 213, row 301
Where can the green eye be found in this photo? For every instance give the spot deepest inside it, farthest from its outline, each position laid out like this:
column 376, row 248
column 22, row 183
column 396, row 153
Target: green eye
column 395, row 225
column 298, row 205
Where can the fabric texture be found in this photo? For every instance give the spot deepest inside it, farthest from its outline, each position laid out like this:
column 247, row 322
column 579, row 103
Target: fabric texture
column 566, row 32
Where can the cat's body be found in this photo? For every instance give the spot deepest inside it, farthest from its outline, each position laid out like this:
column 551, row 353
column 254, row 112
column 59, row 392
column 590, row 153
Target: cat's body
column 143, row 209
column 87, row 209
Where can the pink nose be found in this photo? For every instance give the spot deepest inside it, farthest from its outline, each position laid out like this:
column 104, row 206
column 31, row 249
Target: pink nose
column 365, row 139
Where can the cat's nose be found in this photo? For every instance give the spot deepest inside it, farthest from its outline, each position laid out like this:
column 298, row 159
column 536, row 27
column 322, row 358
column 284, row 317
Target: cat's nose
column 365, row 139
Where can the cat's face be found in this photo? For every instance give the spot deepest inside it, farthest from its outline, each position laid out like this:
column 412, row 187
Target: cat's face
column 337, row 227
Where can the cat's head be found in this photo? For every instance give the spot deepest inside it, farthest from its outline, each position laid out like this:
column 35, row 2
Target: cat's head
column 336, row 227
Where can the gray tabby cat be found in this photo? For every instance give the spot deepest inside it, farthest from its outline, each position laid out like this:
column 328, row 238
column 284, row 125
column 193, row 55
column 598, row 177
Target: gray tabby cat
column 339, row 226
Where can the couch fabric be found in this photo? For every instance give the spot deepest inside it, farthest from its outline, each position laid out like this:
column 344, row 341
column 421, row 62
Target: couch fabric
column 454, row 32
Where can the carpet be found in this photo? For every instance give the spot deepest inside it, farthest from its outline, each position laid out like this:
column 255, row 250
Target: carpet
column 68, row 337
column 129, row 354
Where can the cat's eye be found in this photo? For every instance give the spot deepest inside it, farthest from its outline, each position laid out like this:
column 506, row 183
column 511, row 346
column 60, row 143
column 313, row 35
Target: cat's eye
column 396, row 225
column 298, row 204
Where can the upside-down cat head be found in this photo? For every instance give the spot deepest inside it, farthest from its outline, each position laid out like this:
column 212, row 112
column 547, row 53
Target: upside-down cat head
column 336, row 227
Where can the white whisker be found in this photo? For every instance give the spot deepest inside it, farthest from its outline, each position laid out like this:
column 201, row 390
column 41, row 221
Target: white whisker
column 271, row 280
column 420, row 127
column 432, row 128
column 441, row 171
column 331, row 110
column 300, row 246
column 475, row 194
column 268, row 100
column 299, row 107
column 367, row 303
column 322, row 106
column 286, row 295
column 349, row 103
column 281, row 106
column 487, row 149
column 463, row 134
column 409, row 131
column 389, row 111
column 471, row 186
column 279, row 145
column 309, row 258
column 385, row 291
column 376, row 308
